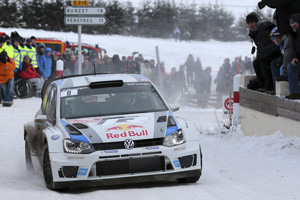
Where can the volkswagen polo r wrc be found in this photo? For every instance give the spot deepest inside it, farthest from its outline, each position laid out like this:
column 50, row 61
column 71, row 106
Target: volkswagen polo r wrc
column 110, row 129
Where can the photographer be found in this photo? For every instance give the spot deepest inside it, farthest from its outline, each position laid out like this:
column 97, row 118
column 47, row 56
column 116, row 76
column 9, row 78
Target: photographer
column 7, row 67
column 266, row 51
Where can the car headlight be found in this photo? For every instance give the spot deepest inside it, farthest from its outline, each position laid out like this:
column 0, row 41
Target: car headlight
column 176, row 138
column 77, row 147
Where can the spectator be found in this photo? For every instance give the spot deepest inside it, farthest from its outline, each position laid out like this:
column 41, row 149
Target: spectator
column 152, row 64
column 31, row 52
column 45, row 69
column 266, row 50
column 33, row 39
column 117, row 65
column 87, row 68
column 284, row 9
column 177, row 34
column 187, row 36
column 28, row 72
column 146, row 70
column 7, row 67
column 190, row 64
column 198, row 68
column 276, row 65
column 294, row 67
column 17, row 54
column 4, row 47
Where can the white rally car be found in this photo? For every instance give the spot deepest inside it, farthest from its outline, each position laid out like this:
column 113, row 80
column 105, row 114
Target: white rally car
column 109, row 129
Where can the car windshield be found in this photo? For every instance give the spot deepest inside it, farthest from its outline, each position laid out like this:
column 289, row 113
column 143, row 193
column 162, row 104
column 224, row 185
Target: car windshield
column 126, row 99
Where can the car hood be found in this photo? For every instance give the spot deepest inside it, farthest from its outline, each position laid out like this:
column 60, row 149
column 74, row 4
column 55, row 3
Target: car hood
column 119, row 128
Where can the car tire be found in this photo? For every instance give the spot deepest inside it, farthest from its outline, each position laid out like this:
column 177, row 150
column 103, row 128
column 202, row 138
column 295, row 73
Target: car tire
column 47, row 171
column 29, row 165
column 192, row 179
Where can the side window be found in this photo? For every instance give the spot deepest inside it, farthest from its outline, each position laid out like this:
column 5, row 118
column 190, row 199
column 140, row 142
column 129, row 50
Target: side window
column 45, row 103
column 50, row 108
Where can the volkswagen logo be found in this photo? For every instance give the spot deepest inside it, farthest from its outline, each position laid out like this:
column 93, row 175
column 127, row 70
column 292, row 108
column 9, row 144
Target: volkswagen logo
column 129, row 144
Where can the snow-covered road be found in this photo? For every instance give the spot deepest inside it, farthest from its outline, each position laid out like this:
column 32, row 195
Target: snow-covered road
column 235, row 166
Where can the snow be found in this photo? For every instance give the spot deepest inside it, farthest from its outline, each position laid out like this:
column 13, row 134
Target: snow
column 235, row 166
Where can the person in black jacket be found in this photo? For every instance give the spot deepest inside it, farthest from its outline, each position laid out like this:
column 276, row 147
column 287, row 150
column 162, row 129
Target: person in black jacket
column 284, row 9
column 266, row 50
column 294, row 67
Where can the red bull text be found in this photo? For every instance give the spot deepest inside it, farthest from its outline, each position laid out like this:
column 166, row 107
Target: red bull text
column 127, row 134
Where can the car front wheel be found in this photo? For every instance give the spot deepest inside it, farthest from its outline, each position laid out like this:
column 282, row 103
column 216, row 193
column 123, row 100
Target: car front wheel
column 47, row 172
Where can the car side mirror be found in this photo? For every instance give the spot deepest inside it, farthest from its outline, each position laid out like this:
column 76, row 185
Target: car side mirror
column 41, row 119
column 174, row 107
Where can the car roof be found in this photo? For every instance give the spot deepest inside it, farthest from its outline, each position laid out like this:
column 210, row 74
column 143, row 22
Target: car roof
column 85, row 80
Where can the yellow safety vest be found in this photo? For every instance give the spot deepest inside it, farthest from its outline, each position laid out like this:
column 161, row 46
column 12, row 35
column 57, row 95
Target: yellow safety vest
column 17, row 57
column 8, row 49
column 23, row 52
column 32, row 55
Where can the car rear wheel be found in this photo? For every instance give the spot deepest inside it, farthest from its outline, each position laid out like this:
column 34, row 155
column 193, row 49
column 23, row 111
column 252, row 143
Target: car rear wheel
column 192, row 179
column 29, row 165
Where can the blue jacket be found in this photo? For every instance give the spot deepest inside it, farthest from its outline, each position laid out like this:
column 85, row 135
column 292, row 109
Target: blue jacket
column 46, row 64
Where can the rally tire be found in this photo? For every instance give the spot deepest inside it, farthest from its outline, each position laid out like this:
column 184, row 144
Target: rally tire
column 47, row 171
column 29, row 165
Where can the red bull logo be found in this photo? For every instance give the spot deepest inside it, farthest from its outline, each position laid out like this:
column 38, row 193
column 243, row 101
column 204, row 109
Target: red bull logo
column 127, row 134
column 124, row 127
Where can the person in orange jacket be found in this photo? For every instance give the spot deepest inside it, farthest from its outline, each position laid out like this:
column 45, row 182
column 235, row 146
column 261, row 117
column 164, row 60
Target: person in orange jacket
column 28, row 72
column 7, row 67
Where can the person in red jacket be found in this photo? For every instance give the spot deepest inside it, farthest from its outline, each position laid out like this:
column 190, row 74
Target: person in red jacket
column 28, row 72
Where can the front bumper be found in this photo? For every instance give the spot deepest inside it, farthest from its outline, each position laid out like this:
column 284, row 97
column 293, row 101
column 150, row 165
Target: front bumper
column 156, row 163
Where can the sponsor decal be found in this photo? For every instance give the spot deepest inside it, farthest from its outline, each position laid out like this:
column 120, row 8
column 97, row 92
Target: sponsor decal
column 82, row 171
column 151, row 148
column 75, row 157
column 179, row 149
column 111, row 151
column 84, row 120
column 144, row 80
column 126, row 134
column 139, row 83
column 124, row 127
column 69, row 92
column 176, row 163
column 55, row 137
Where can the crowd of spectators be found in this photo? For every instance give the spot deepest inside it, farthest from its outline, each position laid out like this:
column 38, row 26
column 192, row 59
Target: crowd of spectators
column 278, row 46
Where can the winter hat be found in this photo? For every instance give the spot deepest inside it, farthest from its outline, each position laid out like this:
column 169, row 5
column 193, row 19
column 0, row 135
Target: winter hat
column 49, row 49
column 252, row 17
column 2, row 39
column 292, row 21
column 42, row 45
column 274, row 33
column 29, row 40
column 16, row 40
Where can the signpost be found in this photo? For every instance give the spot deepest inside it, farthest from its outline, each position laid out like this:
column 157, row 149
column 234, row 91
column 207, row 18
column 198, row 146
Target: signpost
column 80, row 3
column 69, row 10
column 85, row 20
column 82, row 16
